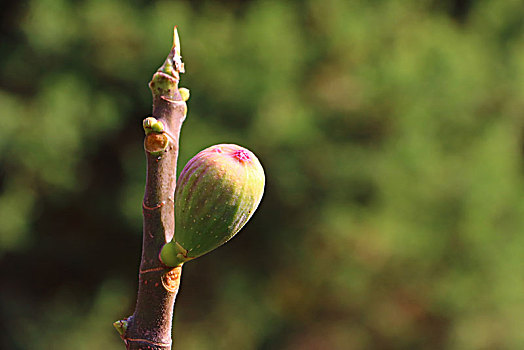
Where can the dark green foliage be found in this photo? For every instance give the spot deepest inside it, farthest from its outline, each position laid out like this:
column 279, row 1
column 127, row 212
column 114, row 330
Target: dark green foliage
column 391, row 133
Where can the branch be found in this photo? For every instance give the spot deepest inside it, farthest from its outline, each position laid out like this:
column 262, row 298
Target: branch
column 150, row 325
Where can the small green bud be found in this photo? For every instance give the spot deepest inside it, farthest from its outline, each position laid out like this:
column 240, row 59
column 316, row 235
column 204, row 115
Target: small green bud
column 184, row 92
column 121, row 326
column 150, row 125
column 157, row 127
column 217, row 193
column 147, row 124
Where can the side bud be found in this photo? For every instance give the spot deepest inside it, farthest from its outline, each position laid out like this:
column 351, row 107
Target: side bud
column 184, row 93
column 150, row 125
column 217, row 193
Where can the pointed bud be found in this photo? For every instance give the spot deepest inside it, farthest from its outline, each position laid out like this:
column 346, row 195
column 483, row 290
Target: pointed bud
column 176, row 41
column 165, row 81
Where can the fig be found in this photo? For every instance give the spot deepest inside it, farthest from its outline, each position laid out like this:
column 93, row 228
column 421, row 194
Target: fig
column 217, row 192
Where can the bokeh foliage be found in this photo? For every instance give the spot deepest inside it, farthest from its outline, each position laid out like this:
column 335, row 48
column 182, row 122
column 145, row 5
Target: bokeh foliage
column 391, row 132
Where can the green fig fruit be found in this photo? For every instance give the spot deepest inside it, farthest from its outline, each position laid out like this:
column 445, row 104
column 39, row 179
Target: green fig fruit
column 217, row 192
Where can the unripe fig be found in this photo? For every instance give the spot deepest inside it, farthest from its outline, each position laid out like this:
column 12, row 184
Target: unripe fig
column 217, row 192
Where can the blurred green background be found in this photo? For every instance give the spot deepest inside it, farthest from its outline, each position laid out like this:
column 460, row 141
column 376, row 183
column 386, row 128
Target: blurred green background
column 391, row 132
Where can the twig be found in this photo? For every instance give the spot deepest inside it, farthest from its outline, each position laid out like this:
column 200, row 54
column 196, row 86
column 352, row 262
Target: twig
column 150, row 325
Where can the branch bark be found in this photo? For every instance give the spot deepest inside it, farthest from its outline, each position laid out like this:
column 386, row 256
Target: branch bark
column 150, row 325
